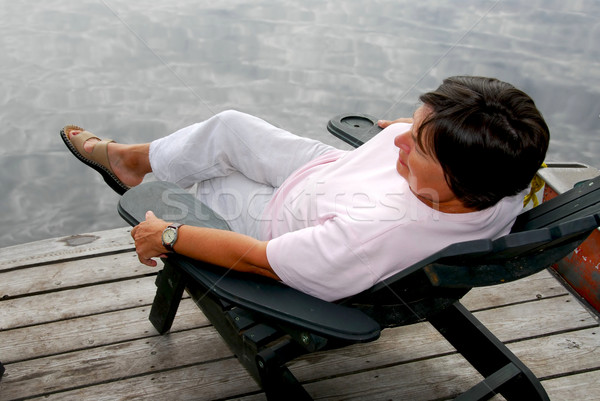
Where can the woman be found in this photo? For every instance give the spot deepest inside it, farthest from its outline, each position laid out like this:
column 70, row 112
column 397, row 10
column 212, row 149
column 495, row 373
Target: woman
column 332, row 223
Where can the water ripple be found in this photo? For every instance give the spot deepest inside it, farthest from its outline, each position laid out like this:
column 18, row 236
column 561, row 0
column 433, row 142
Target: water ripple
column 135, row 71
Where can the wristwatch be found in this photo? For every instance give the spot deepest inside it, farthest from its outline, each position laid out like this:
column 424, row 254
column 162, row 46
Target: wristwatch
column 169, row 236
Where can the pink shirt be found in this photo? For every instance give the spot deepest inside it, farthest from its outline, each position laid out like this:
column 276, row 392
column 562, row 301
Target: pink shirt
column 348, row 220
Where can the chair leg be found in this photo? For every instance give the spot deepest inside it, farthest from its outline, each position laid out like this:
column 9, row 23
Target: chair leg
column 504, row 373
column 276, row 379
column 260, row 348
column 170, row 283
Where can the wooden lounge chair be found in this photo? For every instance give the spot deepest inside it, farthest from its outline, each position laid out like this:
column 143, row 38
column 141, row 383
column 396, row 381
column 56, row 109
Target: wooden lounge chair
column 267, row 324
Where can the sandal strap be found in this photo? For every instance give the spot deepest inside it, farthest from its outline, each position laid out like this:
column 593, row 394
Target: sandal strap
column 100, row 152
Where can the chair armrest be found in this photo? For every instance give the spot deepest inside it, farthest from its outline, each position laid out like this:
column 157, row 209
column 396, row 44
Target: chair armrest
column 168, row 202
column 354, row 129
column 264, row 296
column 278, row 302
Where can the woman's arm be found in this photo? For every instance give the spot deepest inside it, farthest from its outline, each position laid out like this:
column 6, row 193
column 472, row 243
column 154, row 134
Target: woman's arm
column 219, row 247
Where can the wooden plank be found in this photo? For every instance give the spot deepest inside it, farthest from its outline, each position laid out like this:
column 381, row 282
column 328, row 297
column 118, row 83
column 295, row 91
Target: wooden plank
column 112, row 362
column 447, row 376
column 90, row 331
column 583, row 386
column 68, row 304
column 561, row 353
column 534, row 287
column 536, row 318
column 67, row 274
column 211, row 381
column 74, row 246
column 60, row 275
column 418, row 341
column 530, row 319
column 412, row 342
column 580, row 387
column 67, row 365
column 202, row 383
column 74, row 273
column 253, row 397
column 430, row 379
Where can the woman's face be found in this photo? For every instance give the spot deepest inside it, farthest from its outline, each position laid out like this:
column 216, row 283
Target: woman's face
column 422, row 171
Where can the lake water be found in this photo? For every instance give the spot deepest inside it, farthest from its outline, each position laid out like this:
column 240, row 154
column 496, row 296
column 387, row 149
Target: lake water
column 135, row 71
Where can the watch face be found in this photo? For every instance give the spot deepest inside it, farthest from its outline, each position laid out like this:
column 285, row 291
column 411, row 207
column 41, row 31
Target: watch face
column 168, row 236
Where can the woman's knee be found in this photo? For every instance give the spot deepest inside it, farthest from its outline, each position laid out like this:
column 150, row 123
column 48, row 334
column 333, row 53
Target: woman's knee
column 230, row 115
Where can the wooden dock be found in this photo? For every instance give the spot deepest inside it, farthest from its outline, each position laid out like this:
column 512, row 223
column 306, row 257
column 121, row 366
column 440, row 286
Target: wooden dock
column 74, row 326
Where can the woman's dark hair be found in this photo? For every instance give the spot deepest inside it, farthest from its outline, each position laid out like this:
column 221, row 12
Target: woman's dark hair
column 488, row 136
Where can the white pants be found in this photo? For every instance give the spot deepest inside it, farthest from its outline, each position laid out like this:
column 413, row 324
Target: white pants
column 238, row 162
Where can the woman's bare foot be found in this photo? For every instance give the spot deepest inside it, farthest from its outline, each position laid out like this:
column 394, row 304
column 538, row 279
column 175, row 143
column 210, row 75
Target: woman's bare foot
column 130, row 163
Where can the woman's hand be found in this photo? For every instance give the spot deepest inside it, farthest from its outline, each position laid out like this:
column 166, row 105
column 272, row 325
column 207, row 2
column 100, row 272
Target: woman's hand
column 218, row 247
column 387, row 123
column 148, row 239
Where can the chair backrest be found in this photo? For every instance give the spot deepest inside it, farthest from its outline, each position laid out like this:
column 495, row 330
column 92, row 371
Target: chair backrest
column 581, row 201
column 539, row 238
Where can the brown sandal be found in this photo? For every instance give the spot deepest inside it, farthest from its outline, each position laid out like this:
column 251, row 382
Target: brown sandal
column 97, row 159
